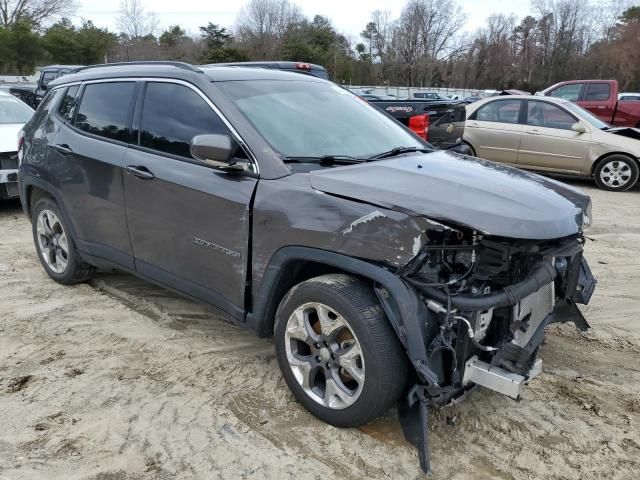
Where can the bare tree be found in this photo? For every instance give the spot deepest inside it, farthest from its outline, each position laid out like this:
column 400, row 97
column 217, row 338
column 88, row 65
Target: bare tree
column 34, row 11
column 261, row 25
column 423, row 34
column 134, row 21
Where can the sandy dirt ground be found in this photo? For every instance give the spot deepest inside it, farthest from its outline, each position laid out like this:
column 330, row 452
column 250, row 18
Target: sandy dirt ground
column 117, row 379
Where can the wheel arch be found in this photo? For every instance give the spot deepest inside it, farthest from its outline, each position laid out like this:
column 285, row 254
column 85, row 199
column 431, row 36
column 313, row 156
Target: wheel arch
column 470, row 145
column 604, row 156
column 291, row 265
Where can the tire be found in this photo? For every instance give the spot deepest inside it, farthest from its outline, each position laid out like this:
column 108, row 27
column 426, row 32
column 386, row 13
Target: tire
column 472, row 151
column 358, row 320
column 47, row 223
column 616, row 173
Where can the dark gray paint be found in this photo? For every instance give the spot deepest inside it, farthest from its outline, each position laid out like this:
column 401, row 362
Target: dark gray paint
column 210, row 233
column 492, row 198
column 91, row 179
column 184, row 201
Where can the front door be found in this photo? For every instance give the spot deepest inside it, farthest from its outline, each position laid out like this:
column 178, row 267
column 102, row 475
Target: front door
column 549, row 143
column 495, row 131
column 188, row 222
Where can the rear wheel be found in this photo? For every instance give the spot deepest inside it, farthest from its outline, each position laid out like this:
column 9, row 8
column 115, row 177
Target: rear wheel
column 337, row 351
column 616, row 173
column 55, row 246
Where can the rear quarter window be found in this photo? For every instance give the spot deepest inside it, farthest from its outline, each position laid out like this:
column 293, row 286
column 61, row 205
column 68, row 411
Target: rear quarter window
column 597, row 92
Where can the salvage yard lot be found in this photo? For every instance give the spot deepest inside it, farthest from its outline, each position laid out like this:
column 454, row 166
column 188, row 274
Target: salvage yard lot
column 119, row 379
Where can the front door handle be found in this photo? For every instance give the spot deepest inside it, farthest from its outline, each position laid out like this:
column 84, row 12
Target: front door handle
column 63, row 149
column 140, row 172
column 533, row 131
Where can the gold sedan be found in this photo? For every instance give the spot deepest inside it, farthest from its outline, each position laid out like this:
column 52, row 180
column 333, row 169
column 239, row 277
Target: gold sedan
column 553, row 135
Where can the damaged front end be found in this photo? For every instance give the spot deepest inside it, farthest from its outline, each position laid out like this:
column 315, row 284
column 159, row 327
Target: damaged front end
column 486, row 301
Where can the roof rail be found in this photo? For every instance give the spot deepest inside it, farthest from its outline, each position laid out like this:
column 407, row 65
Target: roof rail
column 183, row 65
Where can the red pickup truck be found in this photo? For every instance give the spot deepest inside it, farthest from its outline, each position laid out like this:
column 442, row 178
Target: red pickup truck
column 600, row 97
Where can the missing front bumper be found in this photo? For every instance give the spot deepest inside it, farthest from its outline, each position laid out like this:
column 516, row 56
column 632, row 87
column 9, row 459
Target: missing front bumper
column 496, row 378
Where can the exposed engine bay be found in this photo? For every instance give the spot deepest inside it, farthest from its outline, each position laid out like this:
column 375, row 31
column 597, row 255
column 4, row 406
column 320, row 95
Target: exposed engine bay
column 488, row 301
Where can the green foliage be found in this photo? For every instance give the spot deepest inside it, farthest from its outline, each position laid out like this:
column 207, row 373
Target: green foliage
column 631, row 14
column 172, row 36
column 25, row 46
column 218, row 45
column 317, row 42
column 66, row 44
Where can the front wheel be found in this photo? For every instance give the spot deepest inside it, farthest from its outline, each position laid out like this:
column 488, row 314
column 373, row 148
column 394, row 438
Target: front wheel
column 616, row 173
column 337, row 351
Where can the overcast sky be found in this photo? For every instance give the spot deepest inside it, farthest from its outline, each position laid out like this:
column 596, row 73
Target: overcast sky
column 349, row 16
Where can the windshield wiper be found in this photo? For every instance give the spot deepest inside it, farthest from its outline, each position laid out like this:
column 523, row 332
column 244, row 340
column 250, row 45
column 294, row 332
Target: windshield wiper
column 399, row 151
column 326, row 159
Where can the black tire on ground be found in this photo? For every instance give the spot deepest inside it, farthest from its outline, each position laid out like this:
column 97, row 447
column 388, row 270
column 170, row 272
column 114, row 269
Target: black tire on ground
column 386, row 366
column 625, row 164
column 76, row 270
column 472, row 151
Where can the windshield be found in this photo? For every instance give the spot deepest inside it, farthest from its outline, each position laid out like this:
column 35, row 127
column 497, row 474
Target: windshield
column 588, row 116
column 13, row 111
column 316, row 119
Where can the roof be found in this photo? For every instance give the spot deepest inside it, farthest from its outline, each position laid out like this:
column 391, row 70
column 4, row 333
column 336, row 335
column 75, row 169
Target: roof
column 58, row 67
column 267, row 64
column 177, row 70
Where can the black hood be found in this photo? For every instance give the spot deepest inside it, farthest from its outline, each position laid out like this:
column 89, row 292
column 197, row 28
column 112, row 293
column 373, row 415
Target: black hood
column 489, row 197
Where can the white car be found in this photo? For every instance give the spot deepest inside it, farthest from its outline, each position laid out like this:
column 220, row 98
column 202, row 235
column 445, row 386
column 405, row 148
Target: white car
column 629, row 96
column 13, row 115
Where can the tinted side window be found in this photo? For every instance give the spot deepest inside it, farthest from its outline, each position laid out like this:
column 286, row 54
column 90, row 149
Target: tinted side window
column 172, row 115
column 542, row 114
column 598, row 91
column 67, row 105
column 501, row 111
column 105, row 110
column 568, row 92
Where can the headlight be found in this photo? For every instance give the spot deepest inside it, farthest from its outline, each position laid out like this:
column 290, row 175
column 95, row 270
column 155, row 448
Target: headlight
column 587, row 219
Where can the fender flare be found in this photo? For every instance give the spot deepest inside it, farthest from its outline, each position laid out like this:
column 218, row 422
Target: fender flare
column 30, row 181
column 404, row 308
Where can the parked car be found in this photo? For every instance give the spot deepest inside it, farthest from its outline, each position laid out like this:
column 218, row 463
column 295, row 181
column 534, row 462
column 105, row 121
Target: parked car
column 385, row 270
column 553, row 135
column 629, row 96
column 600, row 97
column 23, row 91
column 297, row 67
column 13, row 115
column 377, row 96
column 441, row 122
column 33, row 93
column 428, row 96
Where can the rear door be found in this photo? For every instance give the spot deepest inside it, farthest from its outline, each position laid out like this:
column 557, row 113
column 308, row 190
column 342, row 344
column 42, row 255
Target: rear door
column 599, row 99
column 549, row 143
column 494, row 130
column 189, row 223
column 86, row 160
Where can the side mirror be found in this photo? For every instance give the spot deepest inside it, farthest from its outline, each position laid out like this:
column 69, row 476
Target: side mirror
column 217, row 150
column 578, row 128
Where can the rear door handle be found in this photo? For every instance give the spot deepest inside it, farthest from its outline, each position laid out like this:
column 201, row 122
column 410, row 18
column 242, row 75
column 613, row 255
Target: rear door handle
column 533, row 131
column 140, row 172
column 63, row 149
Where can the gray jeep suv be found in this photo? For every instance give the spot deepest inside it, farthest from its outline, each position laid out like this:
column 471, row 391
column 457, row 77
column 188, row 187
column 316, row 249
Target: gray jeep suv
column 385, row 270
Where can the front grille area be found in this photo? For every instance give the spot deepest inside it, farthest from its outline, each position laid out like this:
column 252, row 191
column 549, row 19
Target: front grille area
column 8, row 160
